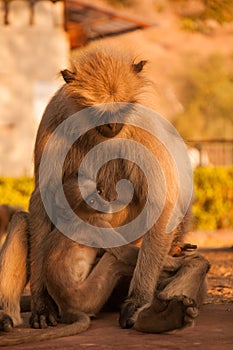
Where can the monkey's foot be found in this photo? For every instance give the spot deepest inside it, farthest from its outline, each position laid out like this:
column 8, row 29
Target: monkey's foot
column 166, row 315
column 42, row 319
column 6, row 323
column 45, row 315
column 128, row 311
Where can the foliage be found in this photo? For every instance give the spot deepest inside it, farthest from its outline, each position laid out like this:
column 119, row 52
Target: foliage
column 220, row 11
column 16, row 191
column 207, row 90
column 190, row 24
column 213, row 207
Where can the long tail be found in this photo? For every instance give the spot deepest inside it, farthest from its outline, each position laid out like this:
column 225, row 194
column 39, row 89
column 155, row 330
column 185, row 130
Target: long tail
column 72, row 329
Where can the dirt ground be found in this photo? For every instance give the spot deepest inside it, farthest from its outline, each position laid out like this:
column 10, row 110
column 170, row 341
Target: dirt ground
column 220, row 276
column 213, row 328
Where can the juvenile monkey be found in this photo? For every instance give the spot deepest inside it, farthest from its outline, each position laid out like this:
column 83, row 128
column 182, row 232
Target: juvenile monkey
column 14, row 270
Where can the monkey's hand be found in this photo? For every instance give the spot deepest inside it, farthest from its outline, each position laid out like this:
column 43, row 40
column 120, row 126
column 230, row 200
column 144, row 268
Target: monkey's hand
column 128, row 254
column 44, row 314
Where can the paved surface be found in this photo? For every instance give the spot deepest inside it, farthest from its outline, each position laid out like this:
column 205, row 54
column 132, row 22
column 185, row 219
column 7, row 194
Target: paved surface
column 213, row 330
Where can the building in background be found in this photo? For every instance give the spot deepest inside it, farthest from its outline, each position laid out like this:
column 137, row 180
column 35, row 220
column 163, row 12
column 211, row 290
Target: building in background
column 35, row 39
column 31, row 55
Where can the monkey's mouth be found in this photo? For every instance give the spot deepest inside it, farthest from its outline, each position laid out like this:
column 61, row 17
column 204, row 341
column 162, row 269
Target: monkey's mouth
column 109, row 130
column 109, row 114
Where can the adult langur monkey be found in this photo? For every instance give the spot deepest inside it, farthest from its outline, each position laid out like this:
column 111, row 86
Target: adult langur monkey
column 79, row 279
column 106, row 76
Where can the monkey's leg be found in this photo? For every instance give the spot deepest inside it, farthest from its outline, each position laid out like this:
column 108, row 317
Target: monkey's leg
column 88, row 295
column 177, row 304
column 14, row 271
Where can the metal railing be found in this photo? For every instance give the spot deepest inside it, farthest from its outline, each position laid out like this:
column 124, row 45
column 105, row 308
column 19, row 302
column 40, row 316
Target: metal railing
column 213, row 152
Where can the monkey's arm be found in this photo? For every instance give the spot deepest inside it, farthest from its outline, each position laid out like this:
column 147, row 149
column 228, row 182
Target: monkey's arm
column 151, row 259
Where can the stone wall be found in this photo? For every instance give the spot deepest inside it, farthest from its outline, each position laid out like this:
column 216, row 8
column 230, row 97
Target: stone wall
column 30, row 58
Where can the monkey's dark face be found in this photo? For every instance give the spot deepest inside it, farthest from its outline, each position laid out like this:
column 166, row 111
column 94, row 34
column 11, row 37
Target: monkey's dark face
column 109, row 130
column 94, row 203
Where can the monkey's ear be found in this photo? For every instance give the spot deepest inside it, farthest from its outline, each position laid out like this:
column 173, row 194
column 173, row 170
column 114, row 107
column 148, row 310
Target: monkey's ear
column 68, row 76
column 137, row 67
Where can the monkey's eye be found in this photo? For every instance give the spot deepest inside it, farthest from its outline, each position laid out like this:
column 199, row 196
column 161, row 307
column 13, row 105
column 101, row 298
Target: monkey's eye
column 91, row 201
column 99, row 191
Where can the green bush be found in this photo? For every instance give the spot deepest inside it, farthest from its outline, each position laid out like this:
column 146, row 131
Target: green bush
column 212, row 208
column 16, row 191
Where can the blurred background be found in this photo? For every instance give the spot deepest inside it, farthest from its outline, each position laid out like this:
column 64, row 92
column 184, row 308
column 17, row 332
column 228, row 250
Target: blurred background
column 189, row 47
